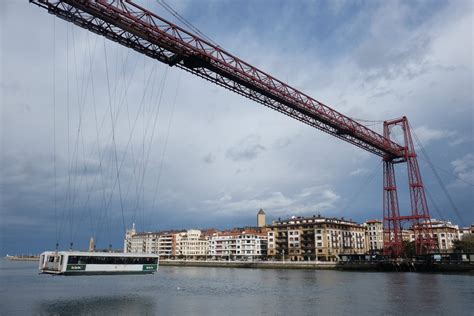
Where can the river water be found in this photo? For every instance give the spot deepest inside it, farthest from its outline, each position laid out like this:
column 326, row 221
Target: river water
column 222, row 291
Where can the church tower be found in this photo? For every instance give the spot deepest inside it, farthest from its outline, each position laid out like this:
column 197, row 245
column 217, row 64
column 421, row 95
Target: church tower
column 261, row 218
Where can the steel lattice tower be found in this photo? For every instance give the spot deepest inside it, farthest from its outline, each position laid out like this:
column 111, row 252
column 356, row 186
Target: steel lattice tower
column 419, row 219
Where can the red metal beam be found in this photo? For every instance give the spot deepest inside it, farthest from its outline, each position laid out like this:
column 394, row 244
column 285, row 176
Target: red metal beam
column 135, row 27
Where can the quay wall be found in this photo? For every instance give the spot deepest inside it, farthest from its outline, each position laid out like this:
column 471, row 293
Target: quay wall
column 388, row 266
column 252, row 264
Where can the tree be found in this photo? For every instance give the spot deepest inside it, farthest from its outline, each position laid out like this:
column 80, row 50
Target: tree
column 465, row 245
column 409, row 250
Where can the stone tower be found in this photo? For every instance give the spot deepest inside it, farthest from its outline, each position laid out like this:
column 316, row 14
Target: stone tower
column 261, row 218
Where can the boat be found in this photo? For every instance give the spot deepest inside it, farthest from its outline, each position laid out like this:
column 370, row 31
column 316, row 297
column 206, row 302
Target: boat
column 23, row 257
column 96, row 263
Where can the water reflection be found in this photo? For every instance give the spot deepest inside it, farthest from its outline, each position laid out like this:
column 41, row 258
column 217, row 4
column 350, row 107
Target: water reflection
column 101, row 305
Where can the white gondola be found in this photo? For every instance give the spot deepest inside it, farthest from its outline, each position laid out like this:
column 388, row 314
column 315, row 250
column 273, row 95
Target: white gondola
column 93, row 263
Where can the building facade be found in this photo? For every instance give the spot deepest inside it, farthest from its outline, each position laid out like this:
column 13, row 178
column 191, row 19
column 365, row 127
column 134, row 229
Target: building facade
column 238, row 245
column 160, row 243
column 445, row 234
column 192, row 244
column 374, row 235
column 466, row 231
column 315, row 238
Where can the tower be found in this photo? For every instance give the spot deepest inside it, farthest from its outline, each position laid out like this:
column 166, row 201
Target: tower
column 261, row 218
column 419, row 217
column 91, row 244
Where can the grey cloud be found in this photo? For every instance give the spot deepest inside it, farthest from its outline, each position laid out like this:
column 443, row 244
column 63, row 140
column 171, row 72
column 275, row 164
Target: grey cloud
column 246, row 149
column 309, row 199
column 282, row 142
column 209, row 158
column 392, row 48
column 464, row 170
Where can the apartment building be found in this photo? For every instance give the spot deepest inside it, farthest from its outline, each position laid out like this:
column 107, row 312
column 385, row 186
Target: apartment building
column 374, row 235
column 192, row 244
column 238, row 245
column 315, row 238
column 161, row 243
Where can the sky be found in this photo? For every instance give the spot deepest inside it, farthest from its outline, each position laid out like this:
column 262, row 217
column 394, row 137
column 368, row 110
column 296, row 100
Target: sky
column 95, row 137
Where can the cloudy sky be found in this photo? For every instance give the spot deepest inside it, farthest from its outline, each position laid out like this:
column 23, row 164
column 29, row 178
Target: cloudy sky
column 77, row 110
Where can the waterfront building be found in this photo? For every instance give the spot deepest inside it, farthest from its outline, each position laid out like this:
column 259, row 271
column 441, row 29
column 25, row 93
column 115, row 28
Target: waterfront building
column 238, row 245
column 445, row 233
column 315, row 238
column 127, row 244
column 166, row 244
column 261, row 218
column 374, row 235
column 161, row 243
column 143, row 242
column 466, row 231
column 191, row 243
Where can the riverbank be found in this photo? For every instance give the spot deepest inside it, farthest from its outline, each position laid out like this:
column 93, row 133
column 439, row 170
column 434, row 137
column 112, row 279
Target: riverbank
column 253, row 264
column 388, row 266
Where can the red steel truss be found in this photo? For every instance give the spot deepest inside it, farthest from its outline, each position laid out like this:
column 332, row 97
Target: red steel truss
column 131, row 25
column 420, row 218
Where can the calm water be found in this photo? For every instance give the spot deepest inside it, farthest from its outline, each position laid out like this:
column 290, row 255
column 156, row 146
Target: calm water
column 217, row 291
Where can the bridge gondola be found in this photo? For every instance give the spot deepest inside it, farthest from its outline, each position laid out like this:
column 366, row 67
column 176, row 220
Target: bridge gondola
column 96, row 263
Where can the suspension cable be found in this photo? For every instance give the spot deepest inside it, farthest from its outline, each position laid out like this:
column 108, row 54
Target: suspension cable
column 54, row 137
column 165, row 144
column 174, row 13
column 363, row 186
column 113, row 136
column 438, row 178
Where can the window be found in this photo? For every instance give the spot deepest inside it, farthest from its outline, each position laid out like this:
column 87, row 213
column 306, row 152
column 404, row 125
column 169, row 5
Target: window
column 111, row 260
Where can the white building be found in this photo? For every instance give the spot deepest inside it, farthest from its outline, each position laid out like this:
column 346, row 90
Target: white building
column 374, row 235
column 235, row 245
column 161, row 243
column 191, row 244
column 445, row 233
column 142, row 243
column 166, row 244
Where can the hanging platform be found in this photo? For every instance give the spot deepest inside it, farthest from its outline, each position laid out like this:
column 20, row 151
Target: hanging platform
column 96, row 263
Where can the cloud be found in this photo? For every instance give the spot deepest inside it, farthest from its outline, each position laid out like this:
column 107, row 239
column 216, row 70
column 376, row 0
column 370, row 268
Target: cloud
column 282, row 142
column 209, row 158
column 359, row 172
column 427, row 135
column 309, row 199
column 378, row 53
column 246, row 149
column 464, row 170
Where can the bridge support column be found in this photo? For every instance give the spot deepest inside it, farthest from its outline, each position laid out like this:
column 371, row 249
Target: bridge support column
column 419, row 220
